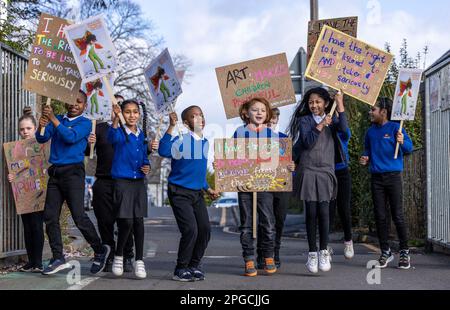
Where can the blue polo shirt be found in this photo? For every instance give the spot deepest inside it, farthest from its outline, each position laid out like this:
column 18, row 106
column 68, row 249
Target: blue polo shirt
column 189, row 160
column 380, row 144
column 129, row 156
column 69, row 139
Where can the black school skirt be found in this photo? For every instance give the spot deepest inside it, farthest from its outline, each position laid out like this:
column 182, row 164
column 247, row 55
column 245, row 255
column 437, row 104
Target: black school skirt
column 130, row 198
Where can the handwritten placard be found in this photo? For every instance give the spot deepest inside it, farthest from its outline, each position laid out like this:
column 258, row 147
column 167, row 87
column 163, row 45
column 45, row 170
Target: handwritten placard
column 162, row 80
column 256, row 165
column 266, row 77
column 27, row 161
column 92, row 48
column 343, row 62
column 52, row 71
column 348, row 25
column 406, row 94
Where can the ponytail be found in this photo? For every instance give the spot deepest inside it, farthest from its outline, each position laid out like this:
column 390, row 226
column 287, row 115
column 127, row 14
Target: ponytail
column 144, row 121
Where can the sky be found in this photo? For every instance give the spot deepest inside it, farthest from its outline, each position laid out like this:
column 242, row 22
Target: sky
column 214, row 33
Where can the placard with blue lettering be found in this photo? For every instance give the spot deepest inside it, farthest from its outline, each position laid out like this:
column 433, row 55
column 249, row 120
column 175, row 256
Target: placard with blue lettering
column 344, row 62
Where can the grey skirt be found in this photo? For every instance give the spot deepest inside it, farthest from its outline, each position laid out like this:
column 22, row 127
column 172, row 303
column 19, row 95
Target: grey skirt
column 130, row 198
column 310, row 185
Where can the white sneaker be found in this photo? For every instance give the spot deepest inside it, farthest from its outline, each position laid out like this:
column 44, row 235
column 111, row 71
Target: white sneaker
column 139, row 269
column 117, row 267
column 312, row 262
column 348, row 250
column 324, row 260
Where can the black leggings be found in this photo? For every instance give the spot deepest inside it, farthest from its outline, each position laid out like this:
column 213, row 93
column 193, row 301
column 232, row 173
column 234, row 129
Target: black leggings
column 125, row 227
column 343, row 203
column 312, row 214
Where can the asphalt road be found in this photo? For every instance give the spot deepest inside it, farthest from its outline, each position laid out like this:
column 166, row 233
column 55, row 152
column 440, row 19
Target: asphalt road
column 223, row 265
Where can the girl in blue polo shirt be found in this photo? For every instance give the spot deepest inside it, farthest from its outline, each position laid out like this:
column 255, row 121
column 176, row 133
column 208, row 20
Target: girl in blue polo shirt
column 130, row 165
column 386, row 180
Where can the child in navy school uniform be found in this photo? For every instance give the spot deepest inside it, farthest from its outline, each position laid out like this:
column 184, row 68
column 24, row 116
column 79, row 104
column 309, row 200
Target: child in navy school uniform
column 386, row 178
column 69, row 134
column 130, row 165
column 318, row 150
column 256, row 114
column 187, row 181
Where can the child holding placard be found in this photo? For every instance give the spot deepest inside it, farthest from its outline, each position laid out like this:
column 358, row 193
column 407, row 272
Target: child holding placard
column 187, row 181
column 256, row 114
column 33, row 223
column 280, row 204
column 69, row 135
column 129, row 168
column 386, row 181
column 315, row 136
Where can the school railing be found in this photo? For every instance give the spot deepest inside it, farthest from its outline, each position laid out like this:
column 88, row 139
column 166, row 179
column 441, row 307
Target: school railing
column 12, row 100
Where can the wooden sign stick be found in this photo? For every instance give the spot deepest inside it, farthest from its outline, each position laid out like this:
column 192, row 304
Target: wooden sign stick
column 255, row 197
column 398, row 144
column 111, row 97
column 158, row 129
column 333, row 108
column 91, row 154
column 49, row 100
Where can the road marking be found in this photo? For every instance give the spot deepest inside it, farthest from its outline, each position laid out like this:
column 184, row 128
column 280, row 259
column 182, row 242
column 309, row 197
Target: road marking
column 83, row 283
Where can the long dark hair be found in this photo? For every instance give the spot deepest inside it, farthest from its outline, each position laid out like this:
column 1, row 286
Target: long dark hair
column 144, row 116
column 303, row 109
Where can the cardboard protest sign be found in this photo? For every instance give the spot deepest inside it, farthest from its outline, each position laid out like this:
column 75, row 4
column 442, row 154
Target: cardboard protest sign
column 99, row 105
column 406, row 94
column 162, row 81
column 266, row 77
column 52, row 71
column 259, row 165
column 27, row 160
column 343, row 62
column 348, row 25
column 92, row 47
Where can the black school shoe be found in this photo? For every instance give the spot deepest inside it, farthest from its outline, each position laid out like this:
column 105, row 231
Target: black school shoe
column 404, row 261
column 100, row 260
column 28, row 267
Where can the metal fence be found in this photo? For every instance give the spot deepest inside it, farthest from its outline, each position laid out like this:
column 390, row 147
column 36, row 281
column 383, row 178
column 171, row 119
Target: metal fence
column 438, row 151
column 12, row 100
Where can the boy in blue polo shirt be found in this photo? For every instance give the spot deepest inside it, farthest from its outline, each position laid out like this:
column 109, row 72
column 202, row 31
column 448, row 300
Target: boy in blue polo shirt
column 386, row 181
column 69, row 134
column 187, row 181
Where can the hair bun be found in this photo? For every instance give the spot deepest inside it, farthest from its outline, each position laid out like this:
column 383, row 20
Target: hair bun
column 27, row 111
